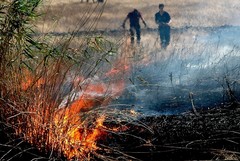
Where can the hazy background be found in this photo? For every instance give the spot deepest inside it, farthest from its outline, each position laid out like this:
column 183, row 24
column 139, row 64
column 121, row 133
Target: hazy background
column 202, row 58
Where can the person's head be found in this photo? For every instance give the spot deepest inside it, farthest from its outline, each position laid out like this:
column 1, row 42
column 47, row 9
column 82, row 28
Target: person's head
column 135, row 10
column 161, row 6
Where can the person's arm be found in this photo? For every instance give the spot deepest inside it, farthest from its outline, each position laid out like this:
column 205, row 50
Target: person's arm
column 143, row 21
column 156, row 19
column 140, row 15
column 123, row 24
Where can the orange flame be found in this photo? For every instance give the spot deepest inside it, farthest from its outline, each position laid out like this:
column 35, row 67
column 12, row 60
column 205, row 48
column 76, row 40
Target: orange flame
column 68, row 130
column 30, row 80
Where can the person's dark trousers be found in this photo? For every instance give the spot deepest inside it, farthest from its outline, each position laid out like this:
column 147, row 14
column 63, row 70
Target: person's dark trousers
column 138, row 33
column 164, row 32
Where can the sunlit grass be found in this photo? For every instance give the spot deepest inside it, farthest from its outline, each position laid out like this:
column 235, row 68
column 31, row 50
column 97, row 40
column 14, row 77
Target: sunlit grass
column 183, row 13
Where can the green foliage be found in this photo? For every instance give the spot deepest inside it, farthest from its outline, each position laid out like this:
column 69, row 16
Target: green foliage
column 16, row 42
column 22, row 51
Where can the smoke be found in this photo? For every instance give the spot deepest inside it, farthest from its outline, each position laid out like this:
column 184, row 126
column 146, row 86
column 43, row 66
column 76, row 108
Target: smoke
column 207, row 66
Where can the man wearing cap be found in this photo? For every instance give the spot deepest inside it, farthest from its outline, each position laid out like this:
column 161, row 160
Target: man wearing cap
column 162, row 18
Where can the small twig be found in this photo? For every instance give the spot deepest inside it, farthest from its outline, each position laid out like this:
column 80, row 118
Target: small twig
column 120, row 152
column 2, row 158
column 231, row 141
column 21, row 152
column 192, row 102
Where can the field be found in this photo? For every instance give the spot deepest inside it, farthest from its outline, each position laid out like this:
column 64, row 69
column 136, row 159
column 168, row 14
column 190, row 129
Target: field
column 73, row 87
column 67, row 14
column 203, row 33
column 190, row 20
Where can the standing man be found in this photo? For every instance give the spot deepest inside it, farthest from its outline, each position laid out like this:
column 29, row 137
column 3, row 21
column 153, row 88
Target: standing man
column 162, row 18
column 134, row 17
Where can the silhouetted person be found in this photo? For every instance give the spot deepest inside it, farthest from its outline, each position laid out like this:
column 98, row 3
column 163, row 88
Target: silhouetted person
column 134, row 18
column 162, row 18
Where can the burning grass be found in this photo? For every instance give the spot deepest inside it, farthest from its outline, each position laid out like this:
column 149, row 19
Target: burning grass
column 53, row 118
column 52, row 97
column 49, row 94
column 57, row 99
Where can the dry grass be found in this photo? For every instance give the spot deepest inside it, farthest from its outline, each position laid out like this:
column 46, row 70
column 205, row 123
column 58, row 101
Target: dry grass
column 38, row 107
column 184, row 13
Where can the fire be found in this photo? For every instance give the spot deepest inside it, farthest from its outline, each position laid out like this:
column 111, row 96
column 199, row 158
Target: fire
column 115, row 71
column 30, row 81
column 78, row 141
column 71, row 127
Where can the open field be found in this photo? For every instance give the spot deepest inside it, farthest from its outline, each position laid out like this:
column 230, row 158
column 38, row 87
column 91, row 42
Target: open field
column 62, row 16
column 202, row 37
column 77, row 89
